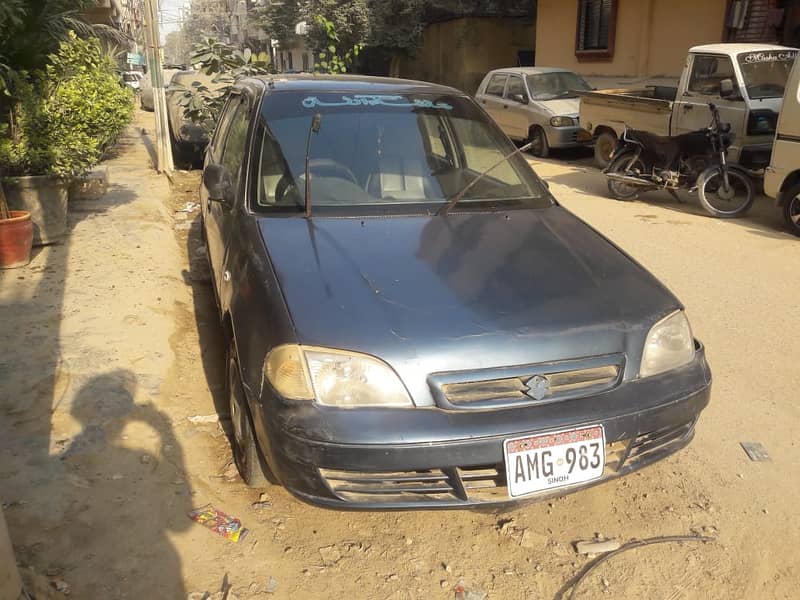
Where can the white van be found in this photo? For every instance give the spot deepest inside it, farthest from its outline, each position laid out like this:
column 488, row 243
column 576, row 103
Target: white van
column 782, row 177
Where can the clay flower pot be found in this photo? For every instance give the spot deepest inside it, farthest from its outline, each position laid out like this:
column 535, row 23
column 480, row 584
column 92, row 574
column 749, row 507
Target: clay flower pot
column 16, row 239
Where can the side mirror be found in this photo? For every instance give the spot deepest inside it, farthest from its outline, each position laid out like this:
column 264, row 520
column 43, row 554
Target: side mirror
column 727, row 90
column 521, row 98
column 216, row 182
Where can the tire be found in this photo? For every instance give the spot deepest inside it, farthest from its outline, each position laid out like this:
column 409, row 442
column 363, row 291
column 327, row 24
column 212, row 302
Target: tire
column 719, row 203
column 622, row 191
column 791, row 209
column 246, row 454
column 537, row 137
column 604, row 147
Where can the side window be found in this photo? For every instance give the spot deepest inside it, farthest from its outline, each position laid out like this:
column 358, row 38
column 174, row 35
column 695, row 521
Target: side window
column 496, row 85
column 235, row 144
column 515, row 88
column 225, row 122
column 707, row 72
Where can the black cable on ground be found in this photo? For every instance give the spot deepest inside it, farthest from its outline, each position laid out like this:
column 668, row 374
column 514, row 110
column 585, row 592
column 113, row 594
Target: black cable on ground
column 630, row 546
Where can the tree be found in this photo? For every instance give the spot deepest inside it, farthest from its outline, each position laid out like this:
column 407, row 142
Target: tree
column 206, row 18
column 350, row 19
column 396, row 25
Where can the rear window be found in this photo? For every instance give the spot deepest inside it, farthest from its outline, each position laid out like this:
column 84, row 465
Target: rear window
column 383, row 150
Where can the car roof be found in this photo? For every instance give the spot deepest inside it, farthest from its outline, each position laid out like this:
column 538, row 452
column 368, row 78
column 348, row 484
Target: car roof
column 529, row 70
column 731, row 49
column 361, row 84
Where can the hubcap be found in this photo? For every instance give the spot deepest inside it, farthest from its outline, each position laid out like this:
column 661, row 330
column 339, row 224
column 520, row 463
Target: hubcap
column 794, row 211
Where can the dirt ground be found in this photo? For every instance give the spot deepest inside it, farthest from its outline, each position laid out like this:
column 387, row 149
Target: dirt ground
column 109, row 341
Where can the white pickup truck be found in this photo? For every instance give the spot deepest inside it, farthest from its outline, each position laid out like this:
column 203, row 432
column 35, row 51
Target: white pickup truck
column 746, row 82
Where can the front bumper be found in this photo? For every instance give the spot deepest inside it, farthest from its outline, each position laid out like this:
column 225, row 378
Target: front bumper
column 755, row 157
column 567, row 137
column 335, row 458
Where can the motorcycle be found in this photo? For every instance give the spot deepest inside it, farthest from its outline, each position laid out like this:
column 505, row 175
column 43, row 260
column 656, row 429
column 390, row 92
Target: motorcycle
column 692, row 161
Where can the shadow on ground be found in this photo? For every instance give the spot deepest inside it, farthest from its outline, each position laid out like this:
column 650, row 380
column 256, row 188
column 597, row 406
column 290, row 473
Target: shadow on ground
column 78, row 496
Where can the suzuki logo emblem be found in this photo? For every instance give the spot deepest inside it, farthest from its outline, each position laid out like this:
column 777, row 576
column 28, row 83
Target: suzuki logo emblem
column 538, row 387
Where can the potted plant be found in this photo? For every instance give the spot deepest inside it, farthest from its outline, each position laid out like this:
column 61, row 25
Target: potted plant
column 16, row 235
column 61, row 121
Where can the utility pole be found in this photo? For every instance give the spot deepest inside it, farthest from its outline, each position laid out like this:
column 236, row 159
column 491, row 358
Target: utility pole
column 153, row 49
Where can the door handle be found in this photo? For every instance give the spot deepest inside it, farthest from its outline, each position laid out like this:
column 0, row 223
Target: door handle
column 688, row 107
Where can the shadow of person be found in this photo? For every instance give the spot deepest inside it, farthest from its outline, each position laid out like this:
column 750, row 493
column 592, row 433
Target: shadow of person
column 127, row 469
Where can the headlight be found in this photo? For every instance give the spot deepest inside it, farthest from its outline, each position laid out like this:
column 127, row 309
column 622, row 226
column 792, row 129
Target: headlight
column 669, row 345
column 562, row 122
column 334, row 377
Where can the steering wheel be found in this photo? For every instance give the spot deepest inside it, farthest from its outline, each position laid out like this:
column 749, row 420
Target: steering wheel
column 328, row 167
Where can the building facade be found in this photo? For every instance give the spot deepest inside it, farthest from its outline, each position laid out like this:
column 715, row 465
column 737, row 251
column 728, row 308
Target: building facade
column 649, row 39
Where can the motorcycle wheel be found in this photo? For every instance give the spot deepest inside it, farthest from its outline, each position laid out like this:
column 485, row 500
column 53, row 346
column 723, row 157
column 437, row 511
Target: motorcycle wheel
column 721, row 203
column 791, row 209
column 619, row 164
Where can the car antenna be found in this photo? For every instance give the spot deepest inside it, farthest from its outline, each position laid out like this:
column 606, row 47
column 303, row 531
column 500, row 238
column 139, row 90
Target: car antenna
column 316, row 123
column 455, row 199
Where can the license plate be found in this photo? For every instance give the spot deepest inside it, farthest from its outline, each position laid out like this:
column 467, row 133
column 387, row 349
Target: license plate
column 552, row 460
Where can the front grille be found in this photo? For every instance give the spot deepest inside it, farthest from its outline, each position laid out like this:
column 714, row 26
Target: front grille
column 562, row 385
column 484, row 484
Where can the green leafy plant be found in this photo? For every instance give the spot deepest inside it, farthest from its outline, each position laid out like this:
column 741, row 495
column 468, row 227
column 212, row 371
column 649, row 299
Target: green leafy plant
column 334, row 59
column 203, row 104
column 65, row 117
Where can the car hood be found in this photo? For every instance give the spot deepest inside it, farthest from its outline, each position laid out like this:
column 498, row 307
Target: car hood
column 431, row 294
column 563, row 107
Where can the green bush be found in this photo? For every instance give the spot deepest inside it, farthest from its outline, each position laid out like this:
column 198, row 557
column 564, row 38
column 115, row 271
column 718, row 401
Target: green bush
column 65, row 117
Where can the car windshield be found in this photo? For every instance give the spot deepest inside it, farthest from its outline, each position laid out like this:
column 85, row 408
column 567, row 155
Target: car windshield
column 765, row 73
column 383, row 150
column 562, row 84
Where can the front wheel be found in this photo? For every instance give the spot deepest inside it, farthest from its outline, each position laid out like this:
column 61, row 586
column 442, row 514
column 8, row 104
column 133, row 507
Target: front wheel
column 725, row 202
column 791, row 209
column 625, row 164
column 539, row 146
column 245, row 448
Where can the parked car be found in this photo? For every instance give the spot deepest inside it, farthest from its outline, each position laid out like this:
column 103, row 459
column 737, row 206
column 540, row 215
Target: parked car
column 189, row 139
column 146, row 88
column 132, row 79
column 756, row 73
column 408, row 330
column 782, row 177
column 535, row 104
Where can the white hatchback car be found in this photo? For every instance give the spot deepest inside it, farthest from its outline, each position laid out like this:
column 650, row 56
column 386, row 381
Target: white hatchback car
column 536, row 104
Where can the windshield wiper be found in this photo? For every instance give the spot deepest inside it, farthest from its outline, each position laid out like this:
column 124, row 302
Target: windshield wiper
column 455, row 199
column 316, row 122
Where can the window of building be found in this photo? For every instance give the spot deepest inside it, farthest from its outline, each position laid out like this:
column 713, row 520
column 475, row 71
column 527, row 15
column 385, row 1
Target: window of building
column 291, row 65
column 305, row 61
column 596, row 28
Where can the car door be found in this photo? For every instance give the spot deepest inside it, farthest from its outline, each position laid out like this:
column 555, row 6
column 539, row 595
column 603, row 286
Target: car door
column 231, row 156
column 691, row 111
column 518, row 112
column 492, row 99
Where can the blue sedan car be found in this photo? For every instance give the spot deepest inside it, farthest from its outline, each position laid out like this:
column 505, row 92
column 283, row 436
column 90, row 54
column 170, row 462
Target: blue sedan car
column 413, row 321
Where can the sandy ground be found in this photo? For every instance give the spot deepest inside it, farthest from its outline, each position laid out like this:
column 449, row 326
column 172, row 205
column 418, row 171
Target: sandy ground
column 109, row 341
